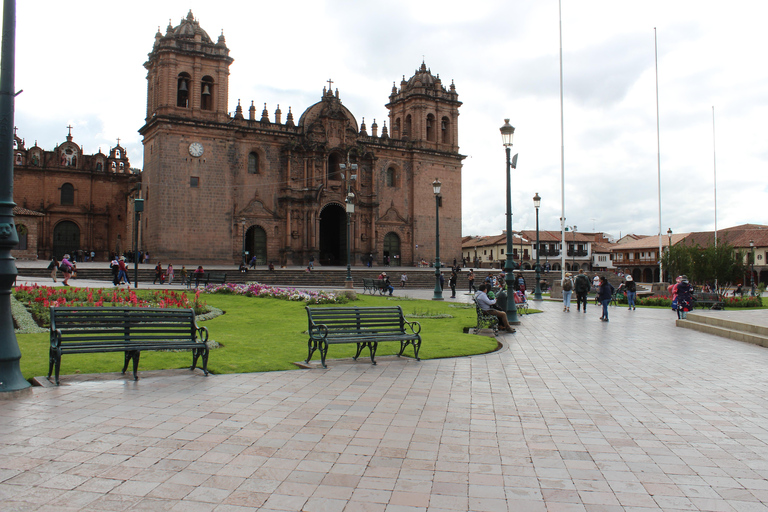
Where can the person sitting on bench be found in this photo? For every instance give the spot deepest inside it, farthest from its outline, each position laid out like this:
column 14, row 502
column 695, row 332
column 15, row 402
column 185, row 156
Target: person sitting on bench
column 487, row 304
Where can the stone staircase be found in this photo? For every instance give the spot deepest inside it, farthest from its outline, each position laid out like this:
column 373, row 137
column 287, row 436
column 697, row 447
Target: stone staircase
column 727, row 327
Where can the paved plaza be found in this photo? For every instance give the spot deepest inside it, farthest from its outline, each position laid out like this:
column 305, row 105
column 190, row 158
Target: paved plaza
column 573, row 414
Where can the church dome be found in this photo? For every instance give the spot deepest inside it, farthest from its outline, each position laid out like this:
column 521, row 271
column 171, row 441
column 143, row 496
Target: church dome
column 189, row 27
column 422, row 78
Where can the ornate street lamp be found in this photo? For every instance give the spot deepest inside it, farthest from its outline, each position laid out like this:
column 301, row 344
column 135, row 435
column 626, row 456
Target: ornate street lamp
column 438, row 289
column 752, row 267
column 138, row 207
column 11, row 378
column 349, row 200
column 537, row 290
column 507, row 132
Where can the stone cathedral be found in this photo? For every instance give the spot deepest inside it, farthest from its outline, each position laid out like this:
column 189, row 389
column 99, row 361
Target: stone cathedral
column 218, row 185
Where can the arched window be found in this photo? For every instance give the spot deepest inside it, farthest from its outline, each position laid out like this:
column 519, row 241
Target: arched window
column 391, row 177
column 182, row 90
column 334, row 173
column 253, row 163
column 444, row 127
column 22, row 232
column 206, row 93
column 431, row 128
column 396, row 129
column 407, row 129
column 67, row 194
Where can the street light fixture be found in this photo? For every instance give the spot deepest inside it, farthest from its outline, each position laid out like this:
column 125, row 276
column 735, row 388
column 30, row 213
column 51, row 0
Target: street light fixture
column 349, row 200
column 752, row 267
column 537, row 289
column 507, row 132
column 438, row 289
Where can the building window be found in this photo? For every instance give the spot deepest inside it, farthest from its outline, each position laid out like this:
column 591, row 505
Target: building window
column 182, row 90
column 334, row 173
column 67, row 194
column 253, row 163
column 396, row 129
column 444, row 125
column 206, row 93
column 22, row 231
column 194, row 182
column 391, row 177
column 407, row 129
column 431, row 128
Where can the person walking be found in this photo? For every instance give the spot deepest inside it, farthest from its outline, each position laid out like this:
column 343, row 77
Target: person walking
column 684, row 297
column 122, row 273
column 452, row 283
column 114, row 266
column 631, row 292
column 66, row 269
column 169, row 274
column 158, row 273
column 604, row 294
column 471, row 278
column 184, row 275
column 53, row 266
column 567, row 292
column 581, row 287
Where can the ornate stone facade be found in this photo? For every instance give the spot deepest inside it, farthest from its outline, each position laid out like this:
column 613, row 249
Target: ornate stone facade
column 218, row 185
column 71, row 202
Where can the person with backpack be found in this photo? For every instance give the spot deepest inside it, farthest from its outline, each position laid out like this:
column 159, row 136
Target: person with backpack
column 631, row 292
column 604, row 294
column 581, row 286
column 567, row 292
column 53, row 266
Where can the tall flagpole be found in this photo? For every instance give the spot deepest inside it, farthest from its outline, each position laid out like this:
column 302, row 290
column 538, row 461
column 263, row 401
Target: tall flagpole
column 714, row 158
column 658, row 149
column 562, row 150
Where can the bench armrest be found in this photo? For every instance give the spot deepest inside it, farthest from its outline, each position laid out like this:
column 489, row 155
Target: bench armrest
column 202, row 333
column 415, row 327
column 55, row 338
column 322, row 330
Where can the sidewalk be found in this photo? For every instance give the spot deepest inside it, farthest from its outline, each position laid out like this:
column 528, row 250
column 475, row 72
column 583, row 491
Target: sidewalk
column 575, row 414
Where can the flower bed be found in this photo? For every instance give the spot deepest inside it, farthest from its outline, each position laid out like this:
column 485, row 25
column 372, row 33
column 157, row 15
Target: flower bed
column 743, row 302
column 39, row 299
column 261, row 290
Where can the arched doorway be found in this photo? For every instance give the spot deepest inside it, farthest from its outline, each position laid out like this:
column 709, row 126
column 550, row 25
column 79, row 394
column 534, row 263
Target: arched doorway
column 392, row 249
column 66, row 238
column 648, row 275
column 333, row 235
column 256, row 244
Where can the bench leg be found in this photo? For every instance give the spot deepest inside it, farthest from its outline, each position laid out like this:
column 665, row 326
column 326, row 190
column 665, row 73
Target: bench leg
column 323, row 351
column 198, row 352
column 416, row 346
column 311, row 347
column 132, row 355
column 54, row 361
column 372, row 346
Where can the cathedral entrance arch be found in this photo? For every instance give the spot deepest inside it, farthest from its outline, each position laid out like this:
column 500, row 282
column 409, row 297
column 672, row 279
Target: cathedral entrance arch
column 392, row 249
column 256, row 244
column 333, row 235
column 66, row 238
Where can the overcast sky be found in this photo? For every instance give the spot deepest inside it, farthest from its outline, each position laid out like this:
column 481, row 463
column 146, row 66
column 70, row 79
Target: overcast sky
column 81, row 63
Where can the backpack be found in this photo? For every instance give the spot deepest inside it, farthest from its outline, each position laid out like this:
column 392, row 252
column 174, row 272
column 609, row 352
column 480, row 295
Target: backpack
column 567, row 285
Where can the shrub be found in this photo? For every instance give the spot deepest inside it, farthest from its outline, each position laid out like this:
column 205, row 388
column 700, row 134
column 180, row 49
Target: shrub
column 261, row 290
column 655, row 300
column 743, row 302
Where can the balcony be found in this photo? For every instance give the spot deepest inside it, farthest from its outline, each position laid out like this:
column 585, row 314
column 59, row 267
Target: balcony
column 578, row 254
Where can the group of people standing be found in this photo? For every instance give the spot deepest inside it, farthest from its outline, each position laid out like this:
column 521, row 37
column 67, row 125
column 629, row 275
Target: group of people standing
column 581, row 286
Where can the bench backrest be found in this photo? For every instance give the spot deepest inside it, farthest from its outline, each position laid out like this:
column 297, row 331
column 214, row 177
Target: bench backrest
column 357, row 319
column 89, row 324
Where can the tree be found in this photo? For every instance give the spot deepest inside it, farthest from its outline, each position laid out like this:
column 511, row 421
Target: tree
column 721, row 264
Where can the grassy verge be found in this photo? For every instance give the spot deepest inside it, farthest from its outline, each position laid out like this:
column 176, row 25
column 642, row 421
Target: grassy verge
column 264, row 334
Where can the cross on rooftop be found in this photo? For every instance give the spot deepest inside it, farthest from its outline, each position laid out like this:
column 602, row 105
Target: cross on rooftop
column 330, row 83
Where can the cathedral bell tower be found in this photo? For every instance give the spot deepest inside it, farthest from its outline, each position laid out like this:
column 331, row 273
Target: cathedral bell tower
column 425, row 112
column 188, row 74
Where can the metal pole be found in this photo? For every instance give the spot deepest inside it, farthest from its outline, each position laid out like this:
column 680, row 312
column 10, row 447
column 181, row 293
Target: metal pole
column 348, row 279
column 509, row 265
column 11, row 378
column 135, row 248
column 438, row 289
column 752, row 269
column 562, row 150
column 714, row 158
column 537, row 289
column 658, row 146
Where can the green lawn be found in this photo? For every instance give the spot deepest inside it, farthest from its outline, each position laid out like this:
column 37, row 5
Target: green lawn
column 264, row 334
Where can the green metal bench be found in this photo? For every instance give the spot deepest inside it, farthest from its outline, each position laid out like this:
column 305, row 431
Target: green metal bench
column 485, row 320
column 206, row 278
column 710, row 300
column 366, row 327
column 88, row 330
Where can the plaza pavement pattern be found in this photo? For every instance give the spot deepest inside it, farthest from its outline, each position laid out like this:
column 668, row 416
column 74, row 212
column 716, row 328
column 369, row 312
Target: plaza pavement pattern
column 573, row 414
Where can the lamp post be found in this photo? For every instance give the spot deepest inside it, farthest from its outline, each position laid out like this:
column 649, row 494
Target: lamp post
column 537, row 289
column 138, row 207
column 11, row 378
column 348, row 283
column 507, row 132
column 438, row 289
column 752, row 267
column 245, row 253
column 669, row 251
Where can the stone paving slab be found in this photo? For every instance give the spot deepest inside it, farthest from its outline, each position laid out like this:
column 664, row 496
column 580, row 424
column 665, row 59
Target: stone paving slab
column 577, row 414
